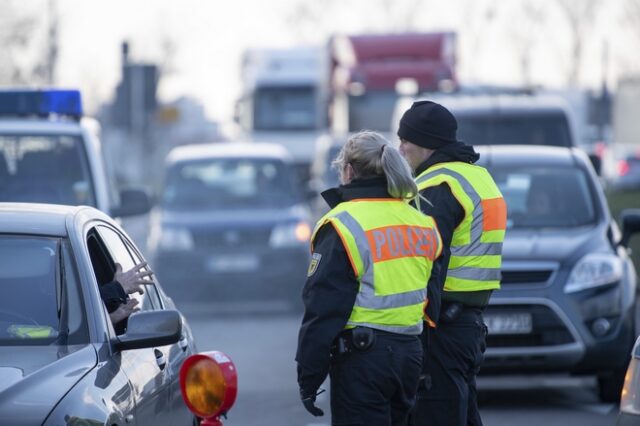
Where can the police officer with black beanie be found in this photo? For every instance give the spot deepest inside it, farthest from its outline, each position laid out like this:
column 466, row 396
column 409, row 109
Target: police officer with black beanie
column 454, row 340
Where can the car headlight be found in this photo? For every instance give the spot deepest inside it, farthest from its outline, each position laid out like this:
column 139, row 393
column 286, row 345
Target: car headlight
column 594, row 270
column 290, row 234
column 174, row 239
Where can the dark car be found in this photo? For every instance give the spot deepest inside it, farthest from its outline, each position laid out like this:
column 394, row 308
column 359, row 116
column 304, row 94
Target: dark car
column 323, row 174
column 627, row 176
column 568, row 295
column 62, row 362
column 233, row 224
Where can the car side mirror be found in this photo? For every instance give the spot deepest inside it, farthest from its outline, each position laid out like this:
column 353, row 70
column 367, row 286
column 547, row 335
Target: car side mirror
column 133, row 202
column 630, row 219
column 150, row 329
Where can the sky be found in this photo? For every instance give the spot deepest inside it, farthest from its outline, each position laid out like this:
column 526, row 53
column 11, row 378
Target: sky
column 201, row 42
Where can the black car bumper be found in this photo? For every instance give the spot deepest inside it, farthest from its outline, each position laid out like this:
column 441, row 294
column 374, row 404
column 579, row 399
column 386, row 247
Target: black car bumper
column 559, row 339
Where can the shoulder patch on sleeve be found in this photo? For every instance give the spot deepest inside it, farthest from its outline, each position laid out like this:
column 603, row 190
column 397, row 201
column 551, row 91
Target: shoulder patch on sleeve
column 313, row 265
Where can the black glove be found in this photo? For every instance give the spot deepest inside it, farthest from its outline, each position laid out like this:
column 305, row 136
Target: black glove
column 309, row 404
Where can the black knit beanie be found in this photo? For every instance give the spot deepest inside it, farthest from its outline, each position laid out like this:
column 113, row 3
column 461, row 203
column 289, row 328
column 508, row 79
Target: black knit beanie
column 428, row 124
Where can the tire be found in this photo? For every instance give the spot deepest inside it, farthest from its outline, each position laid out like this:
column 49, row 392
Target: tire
column 610, row 386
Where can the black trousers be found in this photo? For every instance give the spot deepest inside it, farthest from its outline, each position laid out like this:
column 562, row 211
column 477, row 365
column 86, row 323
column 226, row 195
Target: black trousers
column 447, row 394
column 377, row 387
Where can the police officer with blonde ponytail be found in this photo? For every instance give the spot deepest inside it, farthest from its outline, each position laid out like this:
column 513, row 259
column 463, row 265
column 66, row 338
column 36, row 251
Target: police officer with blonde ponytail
column 372, row 256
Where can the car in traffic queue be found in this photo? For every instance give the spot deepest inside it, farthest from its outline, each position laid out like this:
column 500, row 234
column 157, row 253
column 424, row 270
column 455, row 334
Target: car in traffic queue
column 233, row 224
column 567, row 301
column 50, row 152
column 627, row 177
column 323, row 174
column 61, row 360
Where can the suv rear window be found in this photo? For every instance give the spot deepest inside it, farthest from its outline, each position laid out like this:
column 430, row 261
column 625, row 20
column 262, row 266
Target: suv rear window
column 517, row 129
column 44, row 169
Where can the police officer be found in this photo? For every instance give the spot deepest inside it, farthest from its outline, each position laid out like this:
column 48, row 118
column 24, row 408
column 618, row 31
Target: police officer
column 372, row 256
column 471, row 216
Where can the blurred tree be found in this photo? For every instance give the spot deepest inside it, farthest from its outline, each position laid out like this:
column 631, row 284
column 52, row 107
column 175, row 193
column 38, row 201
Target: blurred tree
column 525, row 30
column 24, row 58
column 477, row 19
column 581, row 16
column 401, row 16
column 631, row 12
column 15, row 34
column 311, row 21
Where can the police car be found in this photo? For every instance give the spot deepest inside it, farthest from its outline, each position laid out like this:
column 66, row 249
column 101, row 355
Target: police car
column 50, row 153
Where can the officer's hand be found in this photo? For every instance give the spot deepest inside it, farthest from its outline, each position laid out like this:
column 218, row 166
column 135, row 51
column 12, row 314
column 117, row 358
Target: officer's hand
column 309, row 404
column 308, row 400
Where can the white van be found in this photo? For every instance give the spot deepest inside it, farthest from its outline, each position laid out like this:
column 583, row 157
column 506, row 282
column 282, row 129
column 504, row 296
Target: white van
column 504, row 119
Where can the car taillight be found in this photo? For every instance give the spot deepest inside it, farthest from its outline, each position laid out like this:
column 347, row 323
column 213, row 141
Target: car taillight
column 623, row 167
column 209, row 385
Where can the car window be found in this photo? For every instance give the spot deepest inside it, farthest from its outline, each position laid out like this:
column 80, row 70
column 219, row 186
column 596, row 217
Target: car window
column 534, row 129
column 45, row 169
column 285, row 109
column 229, row 183
column 153, row 296
column 120, row 254
column 546, row 197
column 40, row 303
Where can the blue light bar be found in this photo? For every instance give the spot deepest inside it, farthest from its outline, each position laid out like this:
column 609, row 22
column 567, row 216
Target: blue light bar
column 42, row 103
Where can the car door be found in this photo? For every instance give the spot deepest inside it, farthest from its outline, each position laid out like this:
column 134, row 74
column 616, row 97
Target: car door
column 176, row 353
column 146, row 368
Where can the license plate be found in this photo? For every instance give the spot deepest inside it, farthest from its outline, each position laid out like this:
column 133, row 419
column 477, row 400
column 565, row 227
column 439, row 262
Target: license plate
column 509, row 323
column 233, row 263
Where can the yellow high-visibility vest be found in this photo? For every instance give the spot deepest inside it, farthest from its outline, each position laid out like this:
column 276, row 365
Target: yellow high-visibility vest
column 391, row 247
column 476, row 246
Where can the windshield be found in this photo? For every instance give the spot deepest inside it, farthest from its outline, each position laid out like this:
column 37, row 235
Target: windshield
column 40, row 303
column 545, row 197
column 372, row 111
column 44, row 169
column 229, row 183
column 536, row 129
column 285, row 108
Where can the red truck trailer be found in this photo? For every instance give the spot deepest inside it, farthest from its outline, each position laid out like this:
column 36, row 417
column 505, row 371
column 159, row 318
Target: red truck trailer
column 364, row 70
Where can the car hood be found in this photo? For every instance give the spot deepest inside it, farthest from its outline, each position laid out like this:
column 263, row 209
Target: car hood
column 231, row 218
column 34, row 378
column 548, row 244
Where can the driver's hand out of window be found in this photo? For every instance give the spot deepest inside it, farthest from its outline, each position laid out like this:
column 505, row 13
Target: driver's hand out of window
column 133, row 280
column 124, row 310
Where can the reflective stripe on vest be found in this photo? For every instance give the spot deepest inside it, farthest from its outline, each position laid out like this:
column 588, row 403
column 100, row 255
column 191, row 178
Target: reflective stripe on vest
column 391, row 250
column 476, row 245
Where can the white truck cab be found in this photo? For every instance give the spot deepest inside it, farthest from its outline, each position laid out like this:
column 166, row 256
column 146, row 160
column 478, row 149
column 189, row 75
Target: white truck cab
column 50, row 153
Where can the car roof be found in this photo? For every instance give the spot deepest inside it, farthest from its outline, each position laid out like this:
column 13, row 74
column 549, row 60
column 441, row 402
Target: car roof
column 35, row 218
column 462, row 105
column 531, row 155
column 228, row 150
column 39, row 126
